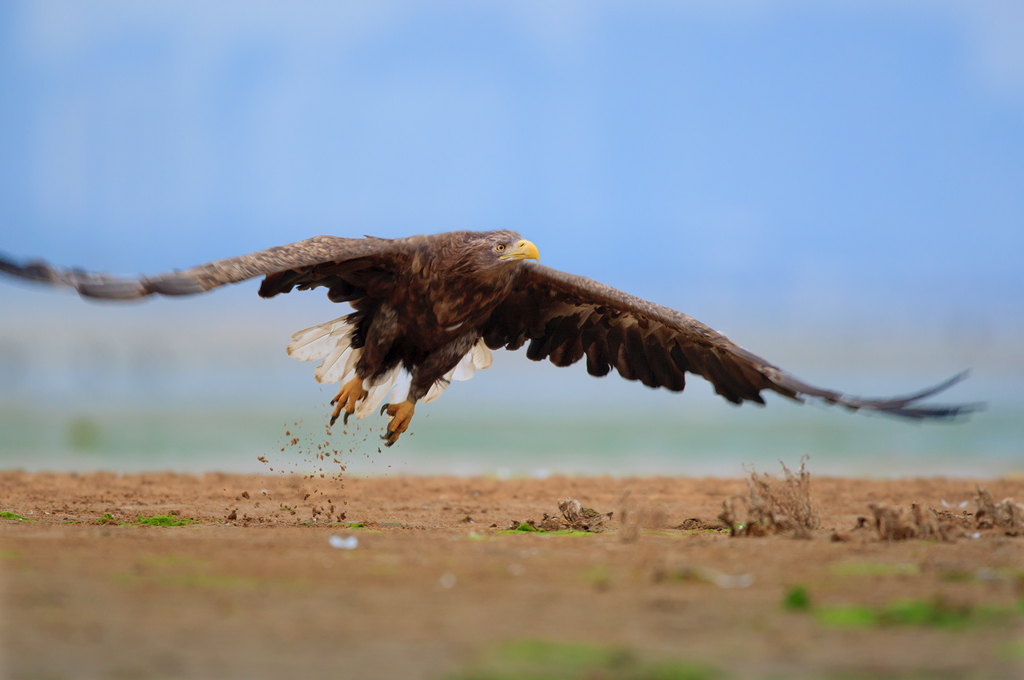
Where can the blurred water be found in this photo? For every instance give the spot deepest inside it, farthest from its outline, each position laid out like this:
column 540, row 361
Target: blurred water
column 456, row 440
column 187, row 387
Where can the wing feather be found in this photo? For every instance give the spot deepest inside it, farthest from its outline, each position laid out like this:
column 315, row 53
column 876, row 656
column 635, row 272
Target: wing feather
column 566, row 317
column 308, row 263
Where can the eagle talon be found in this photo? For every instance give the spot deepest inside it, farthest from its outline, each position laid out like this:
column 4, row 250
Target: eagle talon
column 401, row 415
column 384, row 408
column 348, row 396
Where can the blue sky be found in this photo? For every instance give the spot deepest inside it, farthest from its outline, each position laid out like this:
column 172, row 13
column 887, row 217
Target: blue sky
column 766, row 166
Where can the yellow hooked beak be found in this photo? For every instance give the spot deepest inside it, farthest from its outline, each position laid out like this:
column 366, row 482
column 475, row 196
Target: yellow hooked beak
column 524, row 250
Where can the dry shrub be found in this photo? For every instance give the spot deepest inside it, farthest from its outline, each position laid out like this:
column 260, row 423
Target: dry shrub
column 901, row 524
column 1006, row 514
column 697, row 524
column 574, row 517
column 775, row 506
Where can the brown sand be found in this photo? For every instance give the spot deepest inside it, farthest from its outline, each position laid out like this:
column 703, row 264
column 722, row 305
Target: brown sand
column 432, row 585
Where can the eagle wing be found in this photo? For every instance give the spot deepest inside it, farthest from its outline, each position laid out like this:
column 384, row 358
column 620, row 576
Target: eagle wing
column 318, row 261
column 565, row 318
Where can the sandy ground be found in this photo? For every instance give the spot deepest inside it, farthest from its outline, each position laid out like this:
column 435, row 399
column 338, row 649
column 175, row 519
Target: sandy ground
column 432, row 589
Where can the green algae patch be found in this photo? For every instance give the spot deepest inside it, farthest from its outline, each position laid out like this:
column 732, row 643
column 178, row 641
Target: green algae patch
column 172, row 562
column 934, row 613
column 14, row 517
column 163, row 521
column 527, row 528
column 797, row 599
column 107, row 518
column 544, row 660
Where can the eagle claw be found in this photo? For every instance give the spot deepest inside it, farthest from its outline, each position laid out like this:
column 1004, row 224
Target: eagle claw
column 401, row 415
column 384, row 408
column 347, row 398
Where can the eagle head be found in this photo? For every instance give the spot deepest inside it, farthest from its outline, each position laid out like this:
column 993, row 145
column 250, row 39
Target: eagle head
column 508, row 245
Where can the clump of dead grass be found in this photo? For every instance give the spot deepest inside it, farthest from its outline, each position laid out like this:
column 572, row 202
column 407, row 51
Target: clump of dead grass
column 574, row 517
column 900, row 524
column 774, row 506
column 1006, row 514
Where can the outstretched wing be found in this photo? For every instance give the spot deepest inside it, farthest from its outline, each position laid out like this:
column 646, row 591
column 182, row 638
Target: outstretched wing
column 319, row 261
column 566, row 318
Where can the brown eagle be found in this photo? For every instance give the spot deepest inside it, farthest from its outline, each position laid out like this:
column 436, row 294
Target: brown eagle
column 428, row 310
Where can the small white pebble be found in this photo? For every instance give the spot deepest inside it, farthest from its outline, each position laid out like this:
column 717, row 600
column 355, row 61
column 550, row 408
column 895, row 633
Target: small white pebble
column 515, row 569
column 349, row 543
column 448, row 580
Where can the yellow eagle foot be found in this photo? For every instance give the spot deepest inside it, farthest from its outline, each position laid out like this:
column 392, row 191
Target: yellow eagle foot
column 347, row 398
column 401, row 416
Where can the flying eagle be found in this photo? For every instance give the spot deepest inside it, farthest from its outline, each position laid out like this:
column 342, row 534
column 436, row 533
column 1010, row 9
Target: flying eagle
column 428, row 310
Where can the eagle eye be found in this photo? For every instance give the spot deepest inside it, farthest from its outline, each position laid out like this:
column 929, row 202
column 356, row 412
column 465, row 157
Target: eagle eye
column 500, row 247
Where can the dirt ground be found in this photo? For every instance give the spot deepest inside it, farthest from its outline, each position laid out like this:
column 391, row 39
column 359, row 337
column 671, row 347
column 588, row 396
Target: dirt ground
column 268, row 582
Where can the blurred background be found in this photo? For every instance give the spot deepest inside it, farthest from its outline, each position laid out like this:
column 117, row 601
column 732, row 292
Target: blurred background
column 836, row 186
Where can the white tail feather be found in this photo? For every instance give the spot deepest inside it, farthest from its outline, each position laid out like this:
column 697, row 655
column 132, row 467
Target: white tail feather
column 465, row 369
column 481, row 354
column 332, row 342
column 436, row 390
column 375, row 393
column 478, row 357
column 319, row 341
column 403, row 382
column 350, row 365
column 335, row 367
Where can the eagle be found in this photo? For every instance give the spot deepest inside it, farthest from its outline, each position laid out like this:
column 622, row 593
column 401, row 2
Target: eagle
column 427, row 310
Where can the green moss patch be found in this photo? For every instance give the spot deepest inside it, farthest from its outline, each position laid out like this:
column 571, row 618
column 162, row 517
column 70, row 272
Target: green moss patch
column 935, row 613
column 15, row 517
column 797, row 599
column 525, row 528
column 543, row 660
column 172, row 562
column 164, row 521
